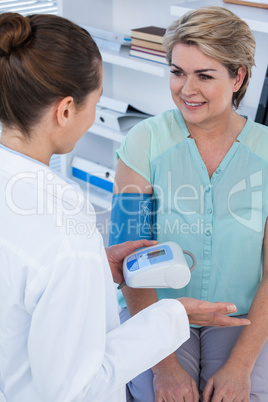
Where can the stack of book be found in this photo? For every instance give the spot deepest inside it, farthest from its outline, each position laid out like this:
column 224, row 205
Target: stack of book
column 146, row 43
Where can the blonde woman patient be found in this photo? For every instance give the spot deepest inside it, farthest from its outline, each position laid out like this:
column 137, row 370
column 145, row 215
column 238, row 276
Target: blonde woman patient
column 214, row 163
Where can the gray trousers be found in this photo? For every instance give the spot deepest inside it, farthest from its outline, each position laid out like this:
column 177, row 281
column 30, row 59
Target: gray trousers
column 201, row 356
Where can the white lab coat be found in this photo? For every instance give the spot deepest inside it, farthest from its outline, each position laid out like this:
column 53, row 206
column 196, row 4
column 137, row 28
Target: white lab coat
column 60, row 338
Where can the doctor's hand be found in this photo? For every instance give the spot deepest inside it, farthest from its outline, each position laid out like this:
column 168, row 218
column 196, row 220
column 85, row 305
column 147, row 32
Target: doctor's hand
column 118, row 252
column 204, row 313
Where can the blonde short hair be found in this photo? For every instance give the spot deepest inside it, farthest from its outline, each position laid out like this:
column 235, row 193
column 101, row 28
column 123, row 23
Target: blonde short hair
column 220, row 34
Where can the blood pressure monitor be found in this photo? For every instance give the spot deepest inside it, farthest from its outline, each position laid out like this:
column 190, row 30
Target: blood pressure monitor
column 160, row 266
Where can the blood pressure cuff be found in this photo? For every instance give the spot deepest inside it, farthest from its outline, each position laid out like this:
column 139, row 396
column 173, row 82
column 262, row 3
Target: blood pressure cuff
column 132, row 217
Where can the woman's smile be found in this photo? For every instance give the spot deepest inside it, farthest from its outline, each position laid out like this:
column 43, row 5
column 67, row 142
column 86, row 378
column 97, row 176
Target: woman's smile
column 193, row 105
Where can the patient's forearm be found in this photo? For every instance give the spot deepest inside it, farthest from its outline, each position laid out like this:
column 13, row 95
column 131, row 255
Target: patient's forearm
column 138, row 299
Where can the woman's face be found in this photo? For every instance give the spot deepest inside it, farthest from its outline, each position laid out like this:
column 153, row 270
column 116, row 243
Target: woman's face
column 201, row 86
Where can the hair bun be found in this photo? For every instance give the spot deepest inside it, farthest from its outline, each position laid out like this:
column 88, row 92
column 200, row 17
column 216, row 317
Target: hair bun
column 15, row 30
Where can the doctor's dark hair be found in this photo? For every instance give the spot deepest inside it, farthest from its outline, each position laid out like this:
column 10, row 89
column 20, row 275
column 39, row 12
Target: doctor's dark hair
column 43, row 59
column 220, row 34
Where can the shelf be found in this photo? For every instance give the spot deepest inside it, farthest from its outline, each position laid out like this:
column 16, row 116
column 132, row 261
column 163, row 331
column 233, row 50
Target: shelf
column 106, row 132
column 257, row 18
column 123, row 59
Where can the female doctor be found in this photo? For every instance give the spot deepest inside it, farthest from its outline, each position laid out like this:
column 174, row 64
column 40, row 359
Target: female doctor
column 55, row 344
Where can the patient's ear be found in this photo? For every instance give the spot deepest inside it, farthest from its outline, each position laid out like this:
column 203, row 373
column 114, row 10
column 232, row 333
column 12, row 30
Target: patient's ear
column 239, row 79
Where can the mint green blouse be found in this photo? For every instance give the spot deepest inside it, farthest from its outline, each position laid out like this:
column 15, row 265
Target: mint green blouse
column 220, row 219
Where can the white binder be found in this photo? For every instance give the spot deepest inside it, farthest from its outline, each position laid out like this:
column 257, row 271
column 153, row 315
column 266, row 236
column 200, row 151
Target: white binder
column 117, row 115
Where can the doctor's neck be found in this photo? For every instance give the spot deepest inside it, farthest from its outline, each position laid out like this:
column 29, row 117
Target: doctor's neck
column 34, row 146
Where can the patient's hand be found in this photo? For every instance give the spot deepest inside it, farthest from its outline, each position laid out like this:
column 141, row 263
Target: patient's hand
column 204, row 313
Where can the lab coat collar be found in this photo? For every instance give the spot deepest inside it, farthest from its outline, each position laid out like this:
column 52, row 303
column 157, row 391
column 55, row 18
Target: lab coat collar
column 40, row 176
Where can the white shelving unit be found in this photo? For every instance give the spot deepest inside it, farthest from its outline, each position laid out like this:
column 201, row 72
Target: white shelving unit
column 257, row 18
column 123, row 59
column 109, row 133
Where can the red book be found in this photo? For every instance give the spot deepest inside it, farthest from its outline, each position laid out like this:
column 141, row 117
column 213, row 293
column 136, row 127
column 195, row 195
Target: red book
column 147, row 50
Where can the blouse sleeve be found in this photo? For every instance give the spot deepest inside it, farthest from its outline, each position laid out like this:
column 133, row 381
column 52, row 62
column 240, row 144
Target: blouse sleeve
column 135, row 149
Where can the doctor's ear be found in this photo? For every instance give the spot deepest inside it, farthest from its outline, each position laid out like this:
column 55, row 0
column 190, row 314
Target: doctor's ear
column 239, row 79
column 64, row 110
